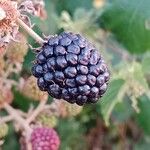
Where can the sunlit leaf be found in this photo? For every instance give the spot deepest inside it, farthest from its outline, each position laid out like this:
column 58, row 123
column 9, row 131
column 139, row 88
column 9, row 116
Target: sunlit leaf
column 138, row 75
column 143, row 116
column 122, row 111
column 110, row 99
column 146, row 63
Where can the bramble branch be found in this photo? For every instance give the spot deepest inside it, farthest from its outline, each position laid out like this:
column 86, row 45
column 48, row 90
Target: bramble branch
column 30, row 31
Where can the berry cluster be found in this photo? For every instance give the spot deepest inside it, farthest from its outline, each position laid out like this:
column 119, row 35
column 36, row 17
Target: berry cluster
column 70, row 68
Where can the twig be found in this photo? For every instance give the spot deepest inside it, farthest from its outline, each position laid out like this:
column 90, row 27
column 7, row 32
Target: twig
column 23, row 114
column 35, row 113
column 22, row 122
column 6, row 119
column 30, row 31
column 16, row 116
column 30, row 110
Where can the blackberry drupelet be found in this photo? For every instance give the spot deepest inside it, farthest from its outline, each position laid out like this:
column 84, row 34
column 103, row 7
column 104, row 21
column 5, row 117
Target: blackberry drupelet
column 69, row 67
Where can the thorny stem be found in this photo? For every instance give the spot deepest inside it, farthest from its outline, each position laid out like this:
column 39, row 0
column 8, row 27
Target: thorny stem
column 23, row 114
column 22, row 122
column 35, row 113
column 6, row 119
column 12, row 112
column 10, row 117
column 30, row 31
column 14, row 115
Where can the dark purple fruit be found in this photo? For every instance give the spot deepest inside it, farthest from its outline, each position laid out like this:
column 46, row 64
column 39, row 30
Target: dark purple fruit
column 69, row 67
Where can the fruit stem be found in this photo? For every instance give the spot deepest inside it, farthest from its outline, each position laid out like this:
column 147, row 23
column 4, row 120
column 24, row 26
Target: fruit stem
column 35, row 113
column 30, row 31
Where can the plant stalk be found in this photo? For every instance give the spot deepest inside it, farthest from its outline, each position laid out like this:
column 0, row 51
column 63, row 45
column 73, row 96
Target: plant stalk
column 35, row 113
column 30, row 32
column 22, row 122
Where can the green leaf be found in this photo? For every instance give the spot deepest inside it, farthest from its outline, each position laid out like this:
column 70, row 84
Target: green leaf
column 146, row 63
column 128, row 20
column 49, row 26
column 29, row 58
column 122, row 111
column 110, row 99
column 71, row 134
column 143, row 117
column 11, row 140
column 138, row 75
column 142, row 146
column 72, row 5
column 22, row 102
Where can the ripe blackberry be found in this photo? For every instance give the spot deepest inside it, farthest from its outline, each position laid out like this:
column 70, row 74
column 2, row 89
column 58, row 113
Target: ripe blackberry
column 69, row 67
column 45, row 139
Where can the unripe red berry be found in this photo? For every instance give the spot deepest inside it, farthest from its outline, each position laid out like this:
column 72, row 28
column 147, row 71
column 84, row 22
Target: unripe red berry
column 45, row 139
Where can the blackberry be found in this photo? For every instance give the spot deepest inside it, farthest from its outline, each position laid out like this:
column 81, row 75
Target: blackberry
column 69, row 67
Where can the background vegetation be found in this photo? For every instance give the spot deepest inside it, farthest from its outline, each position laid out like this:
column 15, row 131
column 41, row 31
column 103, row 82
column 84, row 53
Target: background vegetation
column 121, row 31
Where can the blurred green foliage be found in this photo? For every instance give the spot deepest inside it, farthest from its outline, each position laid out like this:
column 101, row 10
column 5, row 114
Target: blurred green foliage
column 118, row 29
column 129, row 21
